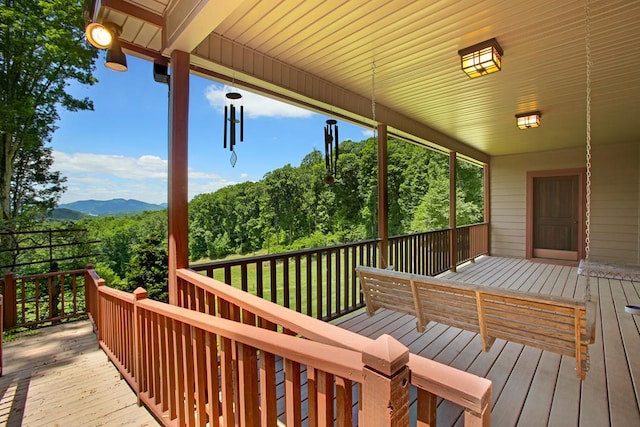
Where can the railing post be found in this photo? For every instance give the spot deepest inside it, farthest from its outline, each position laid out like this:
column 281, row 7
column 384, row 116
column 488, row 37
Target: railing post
column 453, row 237
column 139, row 294
column 385, row 391
column 96, row 316
column 10, row 301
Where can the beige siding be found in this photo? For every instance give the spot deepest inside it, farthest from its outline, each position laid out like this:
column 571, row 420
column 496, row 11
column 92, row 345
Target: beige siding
column 615, row 207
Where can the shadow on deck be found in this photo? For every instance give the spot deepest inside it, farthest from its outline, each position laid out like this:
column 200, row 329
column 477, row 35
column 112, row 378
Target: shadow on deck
column 59, row 376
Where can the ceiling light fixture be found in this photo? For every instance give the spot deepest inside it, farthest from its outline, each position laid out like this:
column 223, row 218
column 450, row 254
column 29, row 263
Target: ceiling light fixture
column 528, row 120
column 482, row 58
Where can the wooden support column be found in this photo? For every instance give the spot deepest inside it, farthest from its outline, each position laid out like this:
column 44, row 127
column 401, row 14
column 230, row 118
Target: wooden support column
column 385, row 388
column 178, row 169
column 487, row 205
column 453, row 250
column 383, row 202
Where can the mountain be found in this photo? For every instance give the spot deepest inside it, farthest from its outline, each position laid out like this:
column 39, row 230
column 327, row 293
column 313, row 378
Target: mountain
column 111, row 207
column 63, row 214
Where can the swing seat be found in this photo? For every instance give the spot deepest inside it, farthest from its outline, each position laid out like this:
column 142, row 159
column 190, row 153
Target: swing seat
column 610, row 271
column 547, row 322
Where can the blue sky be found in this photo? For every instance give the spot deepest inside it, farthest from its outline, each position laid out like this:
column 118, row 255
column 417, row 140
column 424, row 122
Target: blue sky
column 119, row 150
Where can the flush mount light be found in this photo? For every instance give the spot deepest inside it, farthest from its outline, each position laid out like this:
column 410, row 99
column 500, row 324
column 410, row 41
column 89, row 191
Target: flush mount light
column 482, row 58
column 528, row 120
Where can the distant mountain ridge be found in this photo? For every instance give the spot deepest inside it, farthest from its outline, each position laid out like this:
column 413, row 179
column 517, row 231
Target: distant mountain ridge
column 111, row 207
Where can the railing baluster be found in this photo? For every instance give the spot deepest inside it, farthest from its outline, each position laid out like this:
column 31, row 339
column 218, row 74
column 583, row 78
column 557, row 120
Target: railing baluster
column 319, row 302
column 328, row 282
column 344, row 402
column 274, row 282
column 211, row 360
column 338, row 284
column 348, row 271
column 243, row 277
column 293, row 399
column 172, row 377
column 298, row 283
column 259, row 280
column 285, row 282
column 309, row 271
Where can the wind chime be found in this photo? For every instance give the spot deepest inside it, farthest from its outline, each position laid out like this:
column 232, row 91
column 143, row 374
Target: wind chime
column 331, row 152
column 230, row 122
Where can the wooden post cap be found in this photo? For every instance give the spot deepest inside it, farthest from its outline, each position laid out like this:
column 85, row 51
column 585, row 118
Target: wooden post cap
column 385, row 355
column 140, row 293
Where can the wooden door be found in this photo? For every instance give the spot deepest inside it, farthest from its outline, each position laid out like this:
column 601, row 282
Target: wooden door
column 556, row 217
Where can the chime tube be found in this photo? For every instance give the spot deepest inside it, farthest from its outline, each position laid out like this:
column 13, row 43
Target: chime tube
column 232, row 130
column 226, row 119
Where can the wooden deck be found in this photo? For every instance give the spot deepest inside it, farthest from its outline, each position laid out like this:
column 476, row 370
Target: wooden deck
column 59, row 377
column 532, row 387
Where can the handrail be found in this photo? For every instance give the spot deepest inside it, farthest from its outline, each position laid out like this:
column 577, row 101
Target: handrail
column 343, row 362
column 465, row 389
column 190, row 368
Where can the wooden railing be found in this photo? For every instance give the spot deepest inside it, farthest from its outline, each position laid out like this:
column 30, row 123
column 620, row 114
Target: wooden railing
column 318, row 282
column 322, row 283
column 420, row 253
column 431, row 379
column 194, row 369
column 472, row 241
column 43, row 298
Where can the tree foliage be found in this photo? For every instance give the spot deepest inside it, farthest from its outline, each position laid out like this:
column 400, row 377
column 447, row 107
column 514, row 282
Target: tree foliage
column 42, row 51
column 293, row 208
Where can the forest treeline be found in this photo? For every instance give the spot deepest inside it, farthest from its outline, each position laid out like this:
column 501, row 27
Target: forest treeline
column 293, row 208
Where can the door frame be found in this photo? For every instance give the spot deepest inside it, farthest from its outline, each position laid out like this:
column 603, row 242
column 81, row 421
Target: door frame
column 581, row 173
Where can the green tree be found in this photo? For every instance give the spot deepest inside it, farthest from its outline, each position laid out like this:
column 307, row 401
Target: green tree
column 42, row 51
column 148, row 268
column 285, row 189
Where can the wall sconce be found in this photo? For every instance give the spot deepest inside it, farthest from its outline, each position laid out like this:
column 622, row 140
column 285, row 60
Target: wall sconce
column 528, row 120
column 105, row 36
column 482, row 58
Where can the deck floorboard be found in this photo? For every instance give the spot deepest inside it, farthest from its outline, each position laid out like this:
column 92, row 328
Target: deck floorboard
column 59, row 376
column 532, row 387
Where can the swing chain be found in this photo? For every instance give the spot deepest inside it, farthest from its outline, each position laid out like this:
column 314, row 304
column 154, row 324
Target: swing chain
column 588, row 173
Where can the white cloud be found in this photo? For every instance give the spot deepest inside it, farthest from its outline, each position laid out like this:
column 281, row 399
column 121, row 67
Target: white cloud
column 368, row 133
column 102, row 177
column 254, row 105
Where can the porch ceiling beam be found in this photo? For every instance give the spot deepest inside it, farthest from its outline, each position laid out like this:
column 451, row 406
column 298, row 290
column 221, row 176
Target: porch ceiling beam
column 189, row 22
column 223, row 57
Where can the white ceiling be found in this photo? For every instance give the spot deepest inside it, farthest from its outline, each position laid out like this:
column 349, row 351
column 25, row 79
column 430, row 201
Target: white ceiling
column 320, row 53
